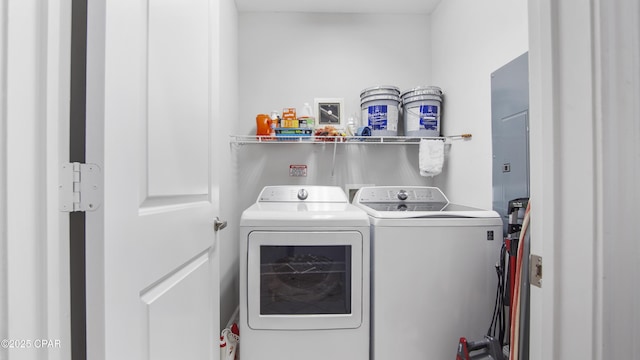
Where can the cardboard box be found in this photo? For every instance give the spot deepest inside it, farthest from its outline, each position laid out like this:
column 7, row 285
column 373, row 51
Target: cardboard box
column 289, row 114
column 290, row 123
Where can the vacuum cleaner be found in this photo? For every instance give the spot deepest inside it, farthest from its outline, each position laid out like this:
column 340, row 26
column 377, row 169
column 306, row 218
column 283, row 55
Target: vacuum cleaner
column 490, row 348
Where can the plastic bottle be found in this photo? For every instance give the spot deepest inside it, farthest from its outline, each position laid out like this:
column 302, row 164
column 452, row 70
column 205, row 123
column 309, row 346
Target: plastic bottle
column 263, row 125
column 275, row 118
column 351, row 126
column 307, row 113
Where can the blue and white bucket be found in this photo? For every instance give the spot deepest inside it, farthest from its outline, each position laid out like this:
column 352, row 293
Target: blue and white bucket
column 422, row 111
column 380, row 109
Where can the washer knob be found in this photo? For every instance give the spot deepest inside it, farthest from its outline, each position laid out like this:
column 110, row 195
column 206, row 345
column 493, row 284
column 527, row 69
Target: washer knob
column 303, row 194
column 402, row 195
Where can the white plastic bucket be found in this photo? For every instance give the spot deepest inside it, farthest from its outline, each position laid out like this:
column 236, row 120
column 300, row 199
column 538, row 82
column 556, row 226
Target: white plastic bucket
column 380, row 112
column 422, row 111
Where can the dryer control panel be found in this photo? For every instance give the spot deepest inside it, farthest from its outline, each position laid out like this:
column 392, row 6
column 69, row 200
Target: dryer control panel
column 303, row 193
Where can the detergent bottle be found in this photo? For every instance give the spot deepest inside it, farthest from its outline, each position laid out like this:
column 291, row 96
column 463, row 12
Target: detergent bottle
column 263, row 125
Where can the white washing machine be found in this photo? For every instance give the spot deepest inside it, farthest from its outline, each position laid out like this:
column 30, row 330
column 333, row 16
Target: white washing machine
column 304, row 276
column 433, row 271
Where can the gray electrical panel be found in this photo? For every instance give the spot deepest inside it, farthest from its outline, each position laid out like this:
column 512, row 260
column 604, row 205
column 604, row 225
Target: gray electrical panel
column 510, row 133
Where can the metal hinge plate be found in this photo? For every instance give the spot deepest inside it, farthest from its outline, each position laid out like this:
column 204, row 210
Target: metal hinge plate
column 535, row 268
column 79, row 188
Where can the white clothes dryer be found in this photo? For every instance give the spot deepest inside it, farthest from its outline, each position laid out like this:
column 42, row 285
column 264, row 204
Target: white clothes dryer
column 304, row 276
column 433, row 271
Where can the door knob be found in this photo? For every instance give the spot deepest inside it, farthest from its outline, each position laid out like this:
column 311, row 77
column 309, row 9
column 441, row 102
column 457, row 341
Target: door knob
column 219, row 224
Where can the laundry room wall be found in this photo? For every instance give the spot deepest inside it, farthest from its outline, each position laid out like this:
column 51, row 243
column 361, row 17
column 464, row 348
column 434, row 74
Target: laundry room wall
column 260, row 165
column 287, row 59
column 470, row 40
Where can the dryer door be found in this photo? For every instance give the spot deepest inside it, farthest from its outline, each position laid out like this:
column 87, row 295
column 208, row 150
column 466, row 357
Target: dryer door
column 305, row 279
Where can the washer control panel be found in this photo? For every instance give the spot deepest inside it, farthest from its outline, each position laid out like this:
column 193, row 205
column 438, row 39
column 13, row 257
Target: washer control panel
column 392, row 194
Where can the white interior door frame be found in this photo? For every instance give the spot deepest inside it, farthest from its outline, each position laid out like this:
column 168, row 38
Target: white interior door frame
column 564, row 179
column 585, row 159
column 617, row 25
column 34, row 112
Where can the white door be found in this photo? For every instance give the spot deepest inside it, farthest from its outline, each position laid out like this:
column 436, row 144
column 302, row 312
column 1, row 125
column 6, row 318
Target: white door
column 152, row 264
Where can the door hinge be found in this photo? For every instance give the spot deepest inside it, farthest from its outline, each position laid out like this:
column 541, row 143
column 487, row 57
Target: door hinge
column 535, row 268
column 79, row 188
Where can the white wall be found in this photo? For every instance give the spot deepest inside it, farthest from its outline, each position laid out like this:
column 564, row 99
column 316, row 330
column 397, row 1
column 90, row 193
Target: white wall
column 470, row 40
column 226, row 125
column 287, row 59
column 268, row 164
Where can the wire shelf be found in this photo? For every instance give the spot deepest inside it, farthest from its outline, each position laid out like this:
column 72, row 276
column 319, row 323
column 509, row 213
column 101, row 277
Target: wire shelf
column 347, row 140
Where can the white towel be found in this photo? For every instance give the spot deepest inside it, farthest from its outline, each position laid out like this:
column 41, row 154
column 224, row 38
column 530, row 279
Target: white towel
column 431, row 157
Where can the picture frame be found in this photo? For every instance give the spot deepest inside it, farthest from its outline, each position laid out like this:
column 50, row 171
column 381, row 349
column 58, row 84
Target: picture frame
column 329, row 111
